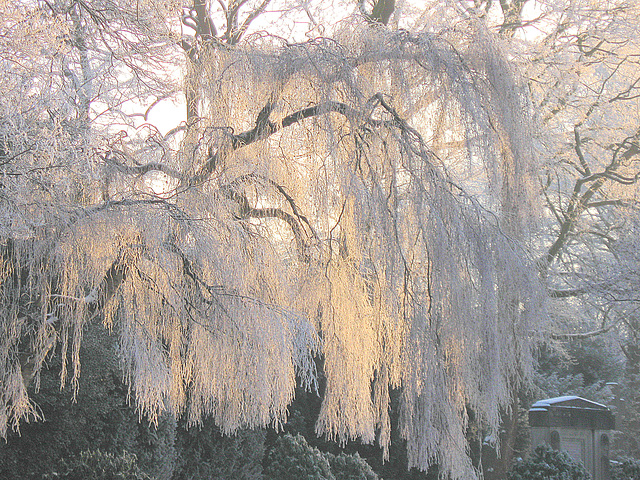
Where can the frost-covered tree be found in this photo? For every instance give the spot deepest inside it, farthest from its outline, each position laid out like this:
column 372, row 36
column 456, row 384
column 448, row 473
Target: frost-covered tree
column 586, row 78
column 364, row 195
column 580, row 58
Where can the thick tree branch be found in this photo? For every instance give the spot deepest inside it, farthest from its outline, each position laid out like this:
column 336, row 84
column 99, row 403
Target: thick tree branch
column 569, row 293
column 204, row 25
column 583, row 336
column 138, row 170
column 263, row 129
column 512, row 14
column 247, row 211
column 381, row 12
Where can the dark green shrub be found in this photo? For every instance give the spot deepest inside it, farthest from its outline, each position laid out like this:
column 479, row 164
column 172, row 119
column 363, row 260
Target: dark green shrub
column 626, row 469
column 98, row 465
column 548, row 464
column 292, row 458
column 100, row 418
column 350, row 467
column 205, row 453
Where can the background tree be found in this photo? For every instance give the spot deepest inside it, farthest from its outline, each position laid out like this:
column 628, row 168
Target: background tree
column 584, row 80
column 100, row 466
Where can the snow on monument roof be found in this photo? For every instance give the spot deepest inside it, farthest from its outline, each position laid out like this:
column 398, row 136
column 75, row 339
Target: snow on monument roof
column 556, row 400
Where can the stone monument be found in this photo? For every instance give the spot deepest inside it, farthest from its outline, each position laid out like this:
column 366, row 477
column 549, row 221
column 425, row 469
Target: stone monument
column 577, row 426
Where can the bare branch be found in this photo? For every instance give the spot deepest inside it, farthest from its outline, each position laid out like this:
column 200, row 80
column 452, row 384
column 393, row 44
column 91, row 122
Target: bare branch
column 574, row 292
column 585, row 335
column 263, row 129
column 237, row 33
column 138, row 170
column 586, row 171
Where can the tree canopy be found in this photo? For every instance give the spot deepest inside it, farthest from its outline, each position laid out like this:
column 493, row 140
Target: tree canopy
column 346, row 191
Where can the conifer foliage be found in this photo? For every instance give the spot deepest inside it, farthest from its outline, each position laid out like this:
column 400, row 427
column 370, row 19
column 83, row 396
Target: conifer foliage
column 550, row 464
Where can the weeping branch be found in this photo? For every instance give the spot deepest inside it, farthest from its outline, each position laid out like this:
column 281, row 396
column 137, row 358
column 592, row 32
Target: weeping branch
column 114, row 277
column 30, row 360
